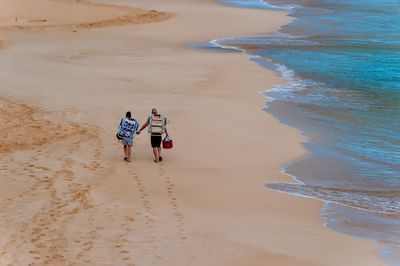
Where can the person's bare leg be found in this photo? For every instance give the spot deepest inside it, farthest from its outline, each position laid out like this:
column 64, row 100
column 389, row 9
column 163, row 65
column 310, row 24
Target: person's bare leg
column 159, row 153
column 156, row 155
column 129, row 152
column 125, row 152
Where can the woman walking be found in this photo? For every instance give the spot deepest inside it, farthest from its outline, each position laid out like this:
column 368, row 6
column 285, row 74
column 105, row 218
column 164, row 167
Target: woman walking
column 126, row 133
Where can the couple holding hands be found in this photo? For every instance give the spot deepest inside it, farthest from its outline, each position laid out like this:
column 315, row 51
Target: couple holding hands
column 157, row 126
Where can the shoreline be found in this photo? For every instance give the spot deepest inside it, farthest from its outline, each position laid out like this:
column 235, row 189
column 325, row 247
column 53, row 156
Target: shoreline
column 358, row 213
column 209, row 209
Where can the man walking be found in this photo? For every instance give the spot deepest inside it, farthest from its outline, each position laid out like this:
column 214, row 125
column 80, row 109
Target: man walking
column 157, row 126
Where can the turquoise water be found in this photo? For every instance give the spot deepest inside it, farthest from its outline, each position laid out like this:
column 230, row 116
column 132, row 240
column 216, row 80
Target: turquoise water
column 341, row 61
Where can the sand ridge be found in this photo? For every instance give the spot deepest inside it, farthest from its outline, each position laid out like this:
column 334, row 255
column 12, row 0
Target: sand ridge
column 22, row 128
column 26, row 14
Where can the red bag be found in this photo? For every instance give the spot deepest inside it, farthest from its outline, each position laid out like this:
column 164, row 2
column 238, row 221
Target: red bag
column 167, row 143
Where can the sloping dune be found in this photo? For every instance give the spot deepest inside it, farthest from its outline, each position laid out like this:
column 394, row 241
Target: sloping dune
column 21, row 127
column 80, row 13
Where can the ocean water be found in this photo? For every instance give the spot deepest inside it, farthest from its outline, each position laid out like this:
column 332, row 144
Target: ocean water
column 341, row 63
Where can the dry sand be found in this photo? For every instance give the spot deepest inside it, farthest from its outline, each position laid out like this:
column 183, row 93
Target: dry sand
column 22, row 127
column 79, row 13
column 73, row 201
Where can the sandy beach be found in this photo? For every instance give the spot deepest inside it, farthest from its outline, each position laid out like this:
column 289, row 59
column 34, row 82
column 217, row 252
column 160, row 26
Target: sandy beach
column 25, row 14
column 72, row 70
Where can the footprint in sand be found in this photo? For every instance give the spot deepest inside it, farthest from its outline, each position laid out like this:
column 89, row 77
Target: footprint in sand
column 173, row 203
column 143, row 196
column 131, row 219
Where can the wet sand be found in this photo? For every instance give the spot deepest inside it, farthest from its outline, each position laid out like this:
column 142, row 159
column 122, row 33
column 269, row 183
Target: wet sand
column 72, row 200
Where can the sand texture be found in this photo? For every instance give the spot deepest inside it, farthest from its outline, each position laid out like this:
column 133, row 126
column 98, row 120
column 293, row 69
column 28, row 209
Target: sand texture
column 68, row 198
column 25, row 14
column 22, row 129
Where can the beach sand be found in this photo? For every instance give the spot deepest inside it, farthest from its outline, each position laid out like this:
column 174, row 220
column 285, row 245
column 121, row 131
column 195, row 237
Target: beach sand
column 79, row 13
column 69, row 199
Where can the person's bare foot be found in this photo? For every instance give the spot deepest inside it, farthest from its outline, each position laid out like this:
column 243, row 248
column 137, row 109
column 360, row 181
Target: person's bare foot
column 156, row 161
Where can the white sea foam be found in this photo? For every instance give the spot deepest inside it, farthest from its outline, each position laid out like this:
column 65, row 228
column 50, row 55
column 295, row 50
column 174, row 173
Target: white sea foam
column 357, row 199
column 259, row 4
column 216, row 43
column 289, row 8
column 295, row 178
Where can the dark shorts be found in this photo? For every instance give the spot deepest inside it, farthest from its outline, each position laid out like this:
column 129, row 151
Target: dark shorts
column 155, row 141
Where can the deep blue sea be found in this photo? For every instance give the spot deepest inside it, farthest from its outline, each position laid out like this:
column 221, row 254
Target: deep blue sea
column 341, row 63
